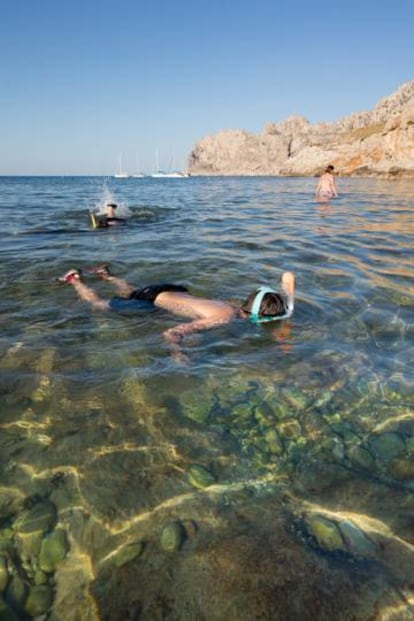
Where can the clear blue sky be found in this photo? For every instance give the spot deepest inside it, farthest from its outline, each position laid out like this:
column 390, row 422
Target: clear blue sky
column 84, row 80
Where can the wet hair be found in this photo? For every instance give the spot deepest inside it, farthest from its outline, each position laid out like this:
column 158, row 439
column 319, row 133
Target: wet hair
column 272, row 304
column 114, row 205
column 330, row 168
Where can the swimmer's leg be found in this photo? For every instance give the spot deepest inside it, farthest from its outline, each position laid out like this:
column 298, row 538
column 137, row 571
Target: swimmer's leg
column 74, row 278
column 123, row 287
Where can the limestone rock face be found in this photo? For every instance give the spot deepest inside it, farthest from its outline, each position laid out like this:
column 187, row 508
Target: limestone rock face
column 376, row 143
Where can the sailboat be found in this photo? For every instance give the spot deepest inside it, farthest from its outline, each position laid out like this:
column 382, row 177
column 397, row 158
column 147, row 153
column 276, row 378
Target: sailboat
column 121, row 174
column 161, row 174
column 174, row 174
column 138, row 174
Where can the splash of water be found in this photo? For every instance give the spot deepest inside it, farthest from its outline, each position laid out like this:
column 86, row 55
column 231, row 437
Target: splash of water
column 107, row 196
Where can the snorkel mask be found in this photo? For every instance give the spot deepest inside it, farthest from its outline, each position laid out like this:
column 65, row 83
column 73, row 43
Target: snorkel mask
column 254, row 313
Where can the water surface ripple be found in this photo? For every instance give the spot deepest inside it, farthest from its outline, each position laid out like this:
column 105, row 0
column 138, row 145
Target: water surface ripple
column 276, row 454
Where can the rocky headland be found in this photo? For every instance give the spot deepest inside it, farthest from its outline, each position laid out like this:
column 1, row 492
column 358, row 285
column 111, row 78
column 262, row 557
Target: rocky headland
column 377, row 143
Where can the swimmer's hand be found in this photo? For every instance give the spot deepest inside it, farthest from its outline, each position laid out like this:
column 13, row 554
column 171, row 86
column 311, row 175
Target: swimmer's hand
column 174, row 336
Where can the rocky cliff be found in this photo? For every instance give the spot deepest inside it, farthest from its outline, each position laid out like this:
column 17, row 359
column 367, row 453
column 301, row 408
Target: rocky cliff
column 375, row 143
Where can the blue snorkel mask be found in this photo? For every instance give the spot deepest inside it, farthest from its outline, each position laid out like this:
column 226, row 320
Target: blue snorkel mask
column 257, row 302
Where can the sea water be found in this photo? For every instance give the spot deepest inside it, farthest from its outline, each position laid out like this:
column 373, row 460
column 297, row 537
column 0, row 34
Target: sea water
column 268, row 472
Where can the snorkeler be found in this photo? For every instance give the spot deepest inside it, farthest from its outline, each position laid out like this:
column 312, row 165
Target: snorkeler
column 326, row 188
column 263, row 304
column 109, row 218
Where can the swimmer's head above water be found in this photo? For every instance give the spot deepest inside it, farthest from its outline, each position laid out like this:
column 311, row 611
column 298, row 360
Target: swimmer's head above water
column 266, row 304
column 110, row 209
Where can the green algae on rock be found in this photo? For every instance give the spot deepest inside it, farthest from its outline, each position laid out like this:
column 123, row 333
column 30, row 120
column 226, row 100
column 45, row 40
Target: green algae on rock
column 128, row 553
column 325, row 532
column 172, row 537
column 4, row 575
column 40, row 577
column 200, row 477
column 290, row 429
column 40, row 517
column 39, row 600
column 16, row 592
column 360, row 456
column 53, row 551
column 7, row 613
column 402, row 469
column 273, row 441
column 387, row 445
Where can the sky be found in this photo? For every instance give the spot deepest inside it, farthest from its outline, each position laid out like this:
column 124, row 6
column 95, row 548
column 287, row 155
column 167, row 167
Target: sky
column 87, row 83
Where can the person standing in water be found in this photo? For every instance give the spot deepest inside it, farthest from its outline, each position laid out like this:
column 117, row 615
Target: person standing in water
column 326, row 188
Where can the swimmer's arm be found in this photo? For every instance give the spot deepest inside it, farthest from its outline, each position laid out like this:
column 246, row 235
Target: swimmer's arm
column 176, row 334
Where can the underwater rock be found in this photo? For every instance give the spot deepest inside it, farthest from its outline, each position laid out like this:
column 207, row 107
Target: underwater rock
column 40, row 577
column 355, row 539
column 39, row 600
column 172, row 537
column 53, row 550
column 388, row 445
column 360, row 456
column 7, row 613
column 198, row 405
column 274, row 443
column 325, row 532
column 200, row 477
column 242, row 412
column 338, row 450
column 323, row 399
column 282, row 410
column 290, row 429
column 43, row 391
column 295, row 398
column 40, row 517
column 4, row 575
column 129, row 553
column 29, row 544
column 10, row 501
column 6, row 541
column 16, row 592
column 402, row 469
column 199, row 412
column 264, row 414
column 6, row 534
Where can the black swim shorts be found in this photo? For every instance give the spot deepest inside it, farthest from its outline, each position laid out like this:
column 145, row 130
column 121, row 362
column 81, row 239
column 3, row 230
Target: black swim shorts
column 150, row 293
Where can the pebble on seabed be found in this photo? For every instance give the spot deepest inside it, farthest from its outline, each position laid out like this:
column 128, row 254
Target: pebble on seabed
column 340, row 536
column 33, row 543
column 172, row 537
column 200, row 477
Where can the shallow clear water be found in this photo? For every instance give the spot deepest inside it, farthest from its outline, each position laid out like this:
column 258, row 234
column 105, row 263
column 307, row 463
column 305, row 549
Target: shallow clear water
column 99, row 417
